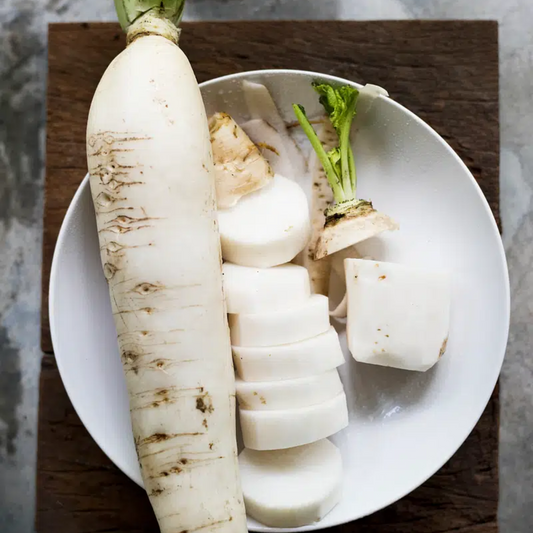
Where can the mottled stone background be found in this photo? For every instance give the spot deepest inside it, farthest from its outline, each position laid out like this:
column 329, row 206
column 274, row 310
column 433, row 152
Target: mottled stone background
column 23, row 28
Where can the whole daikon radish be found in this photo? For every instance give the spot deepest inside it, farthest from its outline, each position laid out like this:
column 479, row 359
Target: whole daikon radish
column 152, row 183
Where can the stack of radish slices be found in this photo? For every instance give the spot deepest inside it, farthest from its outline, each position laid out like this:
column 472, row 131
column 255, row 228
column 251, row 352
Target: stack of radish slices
column 286, row 352
column 289, row 392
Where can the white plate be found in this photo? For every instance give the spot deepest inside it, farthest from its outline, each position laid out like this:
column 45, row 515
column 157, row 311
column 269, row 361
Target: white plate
column 403, row 426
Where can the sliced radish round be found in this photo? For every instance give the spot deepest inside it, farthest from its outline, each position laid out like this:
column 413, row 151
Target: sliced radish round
column 298, row 323
column 294, row 487
column 294, row 360
column 289, row 393
column 276, row 430
column 256, row 290
column 266, row 228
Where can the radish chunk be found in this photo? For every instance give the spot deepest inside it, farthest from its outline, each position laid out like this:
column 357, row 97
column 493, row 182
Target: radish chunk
column 239, row 166
column 286, row 428
column 266, row 228
column 397, row 315
column 295, row 324
column 268, row 129
column 290, row 393
column 295, row 360
column 153, row 188
column 350, row 220
column 355, row 226
column 258, row 290
column 294, row 487
column 277, row 149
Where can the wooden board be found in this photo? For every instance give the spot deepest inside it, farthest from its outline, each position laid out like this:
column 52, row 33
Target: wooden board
column 446, row 72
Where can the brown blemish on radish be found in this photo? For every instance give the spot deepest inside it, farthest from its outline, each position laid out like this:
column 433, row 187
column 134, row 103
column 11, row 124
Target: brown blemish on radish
column 381, row 278
column 163, row 437
column 130, row 356
column 204, row 404
column 210, row 526
column 109, row 271
column 443, row 347
column 147, row 288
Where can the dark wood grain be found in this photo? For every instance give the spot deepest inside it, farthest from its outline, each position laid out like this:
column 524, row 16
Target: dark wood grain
column 446, row 72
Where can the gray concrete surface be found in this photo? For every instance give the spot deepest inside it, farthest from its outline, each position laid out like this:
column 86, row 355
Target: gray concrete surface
column 22, row 100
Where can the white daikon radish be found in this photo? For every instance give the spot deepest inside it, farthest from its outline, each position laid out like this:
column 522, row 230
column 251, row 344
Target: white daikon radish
column 293, row 487
column 152, row 182
column 397, row 315
column 239, row 166
column 309, row 319
column 306, row 358
column 350, row 219
column 262, row 106
column 276, row 430
column 289, row 393
column 259, row 290
column 266, row 228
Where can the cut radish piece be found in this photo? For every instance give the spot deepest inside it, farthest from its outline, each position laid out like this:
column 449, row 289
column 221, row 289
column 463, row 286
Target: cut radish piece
column 289, row 393
column 259, row 290
column 351, row 229
column 239, row 166
column 276, row 148
column 307, row 320
column 397, row 315
column 294, row 487
column 276, row 430
column 295, row 360
column 262, row 106
column 266, row 228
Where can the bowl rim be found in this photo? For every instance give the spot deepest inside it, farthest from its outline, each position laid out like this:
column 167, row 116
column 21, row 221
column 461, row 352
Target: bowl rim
column 54, row 281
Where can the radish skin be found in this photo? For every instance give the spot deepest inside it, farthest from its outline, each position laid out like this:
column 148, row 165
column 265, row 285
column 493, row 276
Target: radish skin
column 239, row 166
column 160, row 253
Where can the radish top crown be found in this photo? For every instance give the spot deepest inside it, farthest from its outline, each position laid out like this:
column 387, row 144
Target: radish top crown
column 150, row 16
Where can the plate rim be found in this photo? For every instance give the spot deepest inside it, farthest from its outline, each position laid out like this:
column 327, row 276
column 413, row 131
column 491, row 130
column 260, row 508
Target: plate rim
column 506, row 312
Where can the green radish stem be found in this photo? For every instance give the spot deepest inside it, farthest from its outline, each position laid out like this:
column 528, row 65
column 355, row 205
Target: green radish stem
column 339, row 163
column 331, row 174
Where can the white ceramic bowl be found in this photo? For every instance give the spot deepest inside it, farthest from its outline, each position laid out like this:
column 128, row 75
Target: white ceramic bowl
column 403, row 426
